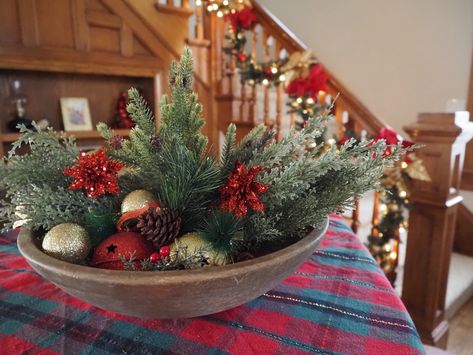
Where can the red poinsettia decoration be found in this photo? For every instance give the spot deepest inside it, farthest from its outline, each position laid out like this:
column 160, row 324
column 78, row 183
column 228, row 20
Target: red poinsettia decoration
column 310, row 86
column 244, row 19
column 392, row 138
column 242, row 191
column 95, row 173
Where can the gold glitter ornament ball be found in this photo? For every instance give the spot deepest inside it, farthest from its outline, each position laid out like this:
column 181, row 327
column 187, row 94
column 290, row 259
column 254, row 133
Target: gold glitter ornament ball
column 67, row 241
column 136, row 200
column 192, row 243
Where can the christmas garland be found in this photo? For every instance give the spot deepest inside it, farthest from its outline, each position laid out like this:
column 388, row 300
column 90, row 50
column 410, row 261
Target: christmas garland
column 304, row 78
column 158, row 201
column 384, row 240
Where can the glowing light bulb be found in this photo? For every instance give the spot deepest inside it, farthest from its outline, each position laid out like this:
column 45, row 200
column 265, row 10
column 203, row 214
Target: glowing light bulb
column 402, row 229
column 383, row 208
column 265, row 82
column 404, row 165
column 393, row 255
column 219, row 14
column 310, row 101
column 225, row 2
column 299, row 100
column 331, row 141
column 403, row 194
column 209, row 8
column 198, row 2
column 215, row 7
column 274, row 70
column 282, row 77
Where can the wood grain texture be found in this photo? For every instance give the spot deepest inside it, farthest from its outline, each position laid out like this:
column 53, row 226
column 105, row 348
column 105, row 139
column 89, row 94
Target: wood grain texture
column 432, row 221
column 464, row 231
column 171, row 294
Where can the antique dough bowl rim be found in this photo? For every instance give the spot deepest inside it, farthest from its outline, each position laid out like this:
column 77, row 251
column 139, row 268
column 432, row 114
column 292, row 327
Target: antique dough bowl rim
column 33, row 254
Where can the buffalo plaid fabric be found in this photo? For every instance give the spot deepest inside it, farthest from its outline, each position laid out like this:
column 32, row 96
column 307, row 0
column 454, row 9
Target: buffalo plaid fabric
column 338, row 302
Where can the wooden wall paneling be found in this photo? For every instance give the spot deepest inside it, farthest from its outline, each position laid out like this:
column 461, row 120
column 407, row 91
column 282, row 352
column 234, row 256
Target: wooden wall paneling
column 81, row 28
column 126, row 40
column 28, row 23
column 10, row 33
column 55, row 24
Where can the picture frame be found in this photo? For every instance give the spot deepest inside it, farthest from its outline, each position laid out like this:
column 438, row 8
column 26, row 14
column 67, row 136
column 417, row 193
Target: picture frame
column 76, row 114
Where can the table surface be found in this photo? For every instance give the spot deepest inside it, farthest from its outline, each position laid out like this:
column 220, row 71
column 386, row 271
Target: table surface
column 338, row 302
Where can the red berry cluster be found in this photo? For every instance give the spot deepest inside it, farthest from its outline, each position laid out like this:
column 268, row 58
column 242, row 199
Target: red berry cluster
column 164, row 252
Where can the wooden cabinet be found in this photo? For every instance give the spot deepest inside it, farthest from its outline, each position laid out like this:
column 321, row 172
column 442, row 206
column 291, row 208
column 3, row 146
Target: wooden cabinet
column 76, row 48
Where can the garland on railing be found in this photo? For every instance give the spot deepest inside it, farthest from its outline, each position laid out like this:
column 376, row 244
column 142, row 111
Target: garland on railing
column 383, row 242
column 304, row 78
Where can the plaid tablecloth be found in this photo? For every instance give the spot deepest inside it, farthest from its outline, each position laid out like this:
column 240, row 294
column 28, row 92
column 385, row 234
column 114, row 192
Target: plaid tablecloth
column 338, row 302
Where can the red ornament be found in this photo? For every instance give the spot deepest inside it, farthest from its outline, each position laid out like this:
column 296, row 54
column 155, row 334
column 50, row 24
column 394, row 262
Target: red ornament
column 123, row 244
column 155, row 257
column 268, row 71
column 122, row 119
column 242, row 191
column 95, row 173
column 164, row 251
column 392, row 138
column 244, row 19
column 242, row 57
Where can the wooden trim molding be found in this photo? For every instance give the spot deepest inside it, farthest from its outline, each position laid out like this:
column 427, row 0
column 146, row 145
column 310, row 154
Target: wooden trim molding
column 29, row 29
column 173, row 10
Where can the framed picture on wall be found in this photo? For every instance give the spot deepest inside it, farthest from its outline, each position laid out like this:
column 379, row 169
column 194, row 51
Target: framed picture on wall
column 76, row 114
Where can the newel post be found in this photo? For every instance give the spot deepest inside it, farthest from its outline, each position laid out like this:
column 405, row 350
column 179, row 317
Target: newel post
column 432, row 220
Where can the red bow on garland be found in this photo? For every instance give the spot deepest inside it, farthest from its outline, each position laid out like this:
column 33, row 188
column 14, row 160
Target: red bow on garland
column 244, row 19
column 310, row 86
column 95, row 173
column 242, row 191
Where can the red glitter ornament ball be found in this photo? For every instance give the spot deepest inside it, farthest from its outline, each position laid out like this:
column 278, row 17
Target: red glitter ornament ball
column 107, row 254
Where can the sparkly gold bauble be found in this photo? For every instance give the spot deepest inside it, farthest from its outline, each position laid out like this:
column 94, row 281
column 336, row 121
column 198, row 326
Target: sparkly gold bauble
column 136, row 200
column 193, row 243
column 67, row 241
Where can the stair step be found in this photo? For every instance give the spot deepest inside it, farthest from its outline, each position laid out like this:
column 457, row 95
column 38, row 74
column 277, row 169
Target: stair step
column 460, row 283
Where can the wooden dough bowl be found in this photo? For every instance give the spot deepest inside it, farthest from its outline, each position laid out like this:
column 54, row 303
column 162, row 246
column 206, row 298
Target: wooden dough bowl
column 171, row 294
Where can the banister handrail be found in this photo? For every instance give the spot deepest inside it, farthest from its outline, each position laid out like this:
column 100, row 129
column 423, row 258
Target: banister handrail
column 290, row 41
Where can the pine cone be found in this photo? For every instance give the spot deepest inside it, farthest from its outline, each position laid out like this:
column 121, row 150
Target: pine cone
column 160, row 225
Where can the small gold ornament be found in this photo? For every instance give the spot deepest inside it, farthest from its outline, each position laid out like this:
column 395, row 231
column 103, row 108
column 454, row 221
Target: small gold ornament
column 136, row 200
column 192, row 243
column 67, row 241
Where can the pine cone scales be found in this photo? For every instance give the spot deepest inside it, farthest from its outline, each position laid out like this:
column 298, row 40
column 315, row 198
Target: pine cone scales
column 160, row 226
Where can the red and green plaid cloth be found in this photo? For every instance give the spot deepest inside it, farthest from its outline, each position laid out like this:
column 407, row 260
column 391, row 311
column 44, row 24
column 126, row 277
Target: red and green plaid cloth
column 338, row 302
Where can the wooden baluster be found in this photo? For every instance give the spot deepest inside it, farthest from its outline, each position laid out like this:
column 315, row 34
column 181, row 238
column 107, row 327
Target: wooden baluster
column 266, row 119
column 293, row 120
column 279, row 93
column 199, row 21
column 185, row 4
column 243, row 114
column 252, row 108
column 375, row 216
column 355, row 215
column 170, row 3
